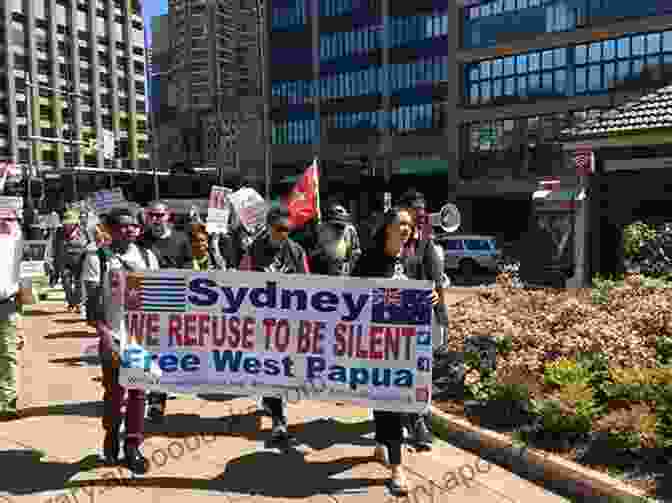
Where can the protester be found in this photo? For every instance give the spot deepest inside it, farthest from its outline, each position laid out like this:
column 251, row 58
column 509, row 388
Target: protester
column 383, row 260
column 423, row 261
column 11, row 247
column 91, row 273
column 337, row 248
column 273, row 251
column 173, row 249
column 126, row 256
column 70, row 246
column 203, row 255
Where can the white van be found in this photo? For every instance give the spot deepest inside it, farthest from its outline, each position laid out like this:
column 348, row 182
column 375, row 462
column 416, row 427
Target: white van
column 467, row 253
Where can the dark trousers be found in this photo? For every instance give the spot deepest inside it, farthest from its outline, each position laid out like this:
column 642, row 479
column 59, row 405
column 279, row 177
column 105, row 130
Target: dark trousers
column 274, row 406
column 389, row 433
column 157, row 398
column 113, row 401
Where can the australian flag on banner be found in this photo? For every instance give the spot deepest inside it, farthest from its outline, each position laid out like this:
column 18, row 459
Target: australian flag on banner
column 401, row 306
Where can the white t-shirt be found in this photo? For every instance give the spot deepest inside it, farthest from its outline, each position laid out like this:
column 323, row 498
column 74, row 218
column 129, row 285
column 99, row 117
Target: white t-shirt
column 11, row 248
column 134, row 259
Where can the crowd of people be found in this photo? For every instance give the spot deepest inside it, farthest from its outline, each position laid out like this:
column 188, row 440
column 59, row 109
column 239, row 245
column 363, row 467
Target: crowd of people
column 86, row 254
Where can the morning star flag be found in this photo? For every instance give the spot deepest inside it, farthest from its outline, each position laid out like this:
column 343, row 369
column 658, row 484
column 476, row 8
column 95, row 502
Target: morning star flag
column 165, row 293
column 364, row 341
column 303, row 203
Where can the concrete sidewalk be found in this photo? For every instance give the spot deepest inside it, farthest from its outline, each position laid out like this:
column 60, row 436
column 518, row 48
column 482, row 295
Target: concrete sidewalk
column 210, row 447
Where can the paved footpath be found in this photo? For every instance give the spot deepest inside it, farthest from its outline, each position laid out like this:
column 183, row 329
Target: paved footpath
column 209, row 448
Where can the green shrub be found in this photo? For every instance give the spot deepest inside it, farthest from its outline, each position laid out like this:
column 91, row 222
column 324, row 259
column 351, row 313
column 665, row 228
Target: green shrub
column 565, row 371
column 601, row 288
column 634, row 236
column 663, row 350
column 557, row 419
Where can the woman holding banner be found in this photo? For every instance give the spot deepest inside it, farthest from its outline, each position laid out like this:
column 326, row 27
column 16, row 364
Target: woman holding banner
column 383, row 260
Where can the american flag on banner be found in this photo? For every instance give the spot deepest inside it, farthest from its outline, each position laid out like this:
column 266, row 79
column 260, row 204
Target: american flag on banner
column 585, row 160
column 156, row 293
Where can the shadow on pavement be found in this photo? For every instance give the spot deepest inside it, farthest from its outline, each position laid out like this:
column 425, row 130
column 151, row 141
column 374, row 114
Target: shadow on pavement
column 31, row 475
column 84, row 409
column 242, row 475
column 319, row 434
column 69, row 321
column 74, row 334
column 77, row 361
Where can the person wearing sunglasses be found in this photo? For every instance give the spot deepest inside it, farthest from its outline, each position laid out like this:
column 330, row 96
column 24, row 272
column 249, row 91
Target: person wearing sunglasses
column 126, row 256
column 173, row 249
column 274, row 251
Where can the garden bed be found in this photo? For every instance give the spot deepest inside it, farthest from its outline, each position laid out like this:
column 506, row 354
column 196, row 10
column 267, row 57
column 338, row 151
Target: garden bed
column 584, row 374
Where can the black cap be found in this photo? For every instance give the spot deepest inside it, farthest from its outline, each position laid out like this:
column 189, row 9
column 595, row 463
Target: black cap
column 412, row 199
column 337, row 214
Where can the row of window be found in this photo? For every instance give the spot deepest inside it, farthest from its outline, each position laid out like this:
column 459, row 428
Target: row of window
column 486, row 24
column 402, row 119
column 583, row 69
column 367, row 81
column 402, row 31
column 286, row 17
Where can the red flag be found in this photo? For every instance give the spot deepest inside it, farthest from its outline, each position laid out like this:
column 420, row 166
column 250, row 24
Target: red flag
column 303, row 202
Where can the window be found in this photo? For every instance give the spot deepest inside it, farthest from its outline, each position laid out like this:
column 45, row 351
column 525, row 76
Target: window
column 580, row 55
column 638, row 45
column 608, row 49
column 478, row 245
column 595, row 52
column 623, row 47
column 595, row 78
column 653, row 43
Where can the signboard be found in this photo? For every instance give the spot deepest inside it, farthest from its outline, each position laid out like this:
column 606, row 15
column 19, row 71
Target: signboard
column 365, row 341
column 10, row 206
column 108, row 144
column 219, row 210
column 105, row 200
column 250, row 208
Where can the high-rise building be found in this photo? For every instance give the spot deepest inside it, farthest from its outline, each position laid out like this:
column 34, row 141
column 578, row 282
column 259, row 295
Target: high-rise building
column 514, row 74
column 211, row 107
column 92, row 48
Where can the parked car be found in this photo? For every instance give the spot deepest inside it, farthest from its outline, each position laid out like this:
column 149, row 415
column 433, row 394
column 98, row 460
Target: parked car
column 469, row 253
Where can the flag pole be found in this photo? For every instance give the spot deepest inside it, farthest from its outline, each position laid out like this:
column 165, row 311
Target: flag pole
column 317, row 189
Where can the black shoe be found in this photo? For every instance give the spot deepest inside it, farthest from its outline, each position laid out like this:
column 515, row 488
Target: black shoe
column 279, row 433
column 156, row 414
column 135, row 461
column 421, row 437
column 111, row 447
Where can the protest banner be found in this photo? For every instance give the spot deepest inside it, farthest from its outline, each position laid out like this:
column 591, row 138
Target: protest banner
column 219, row 210
column 250, row 208
column 364, row 341
column 104, row 201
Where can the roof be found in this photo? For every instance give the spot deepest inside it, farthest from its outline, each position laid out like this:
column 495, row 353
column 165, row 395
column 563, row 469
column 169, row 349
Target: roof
column 653, row 111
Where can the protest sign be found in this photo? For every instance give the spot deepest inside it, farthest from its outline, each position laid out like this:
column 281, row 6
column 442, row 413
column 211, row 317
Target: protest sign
column 10, row 207
column 250, row 208
column 32, row 262
column 105, row 200
column 219, row 209
column 357, row 340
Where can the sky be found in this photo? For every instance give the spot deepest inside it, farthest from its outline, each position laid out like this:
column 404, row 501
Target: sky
column 153, row 8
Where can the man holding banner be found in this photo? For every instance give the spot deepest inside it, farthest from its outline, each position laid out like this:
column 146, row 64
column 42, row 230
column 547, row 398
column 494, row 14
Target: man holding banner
column 273, row 251
column 127, row 256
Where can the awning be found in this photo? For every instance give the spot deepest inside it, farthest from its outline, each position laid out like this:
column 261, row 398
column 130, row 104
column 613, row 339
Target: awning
column 420, row 167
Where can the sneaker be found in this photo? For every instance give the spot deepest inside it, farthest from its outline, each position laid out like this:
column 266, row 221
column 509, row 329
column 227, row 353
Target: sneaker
column 380, row 454
column 422, row 438
column 135, row 461
column 398, row 483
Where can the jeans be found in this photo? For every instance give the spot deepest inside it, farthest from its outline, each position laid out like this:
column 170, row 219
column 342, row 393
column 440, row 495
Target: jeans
column 9, row 373
column 72, row 285
column 113, row 401
column 389, row 433
column 275, row 407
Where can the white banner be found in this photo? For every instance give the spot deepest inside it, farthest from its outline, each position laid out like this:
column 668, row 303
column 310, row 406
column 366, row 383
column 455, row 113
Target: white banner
column 363, row 341
column 219, row 210
column 250, row 207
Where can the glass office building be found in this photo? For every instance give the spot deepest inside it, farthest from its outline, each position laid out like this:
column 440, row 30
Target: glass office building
column 352, row 75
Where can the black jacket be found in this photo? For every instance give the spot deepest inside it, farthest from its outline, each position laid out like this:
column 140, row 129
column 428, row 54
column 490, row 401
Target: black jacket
column 290, row 258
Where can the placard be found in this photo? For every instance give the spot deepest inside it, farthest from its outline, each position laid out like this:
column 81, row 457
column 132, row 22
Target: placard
column 363, row 341
column 219, row 210
column 105, row 200
column 250, row 207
